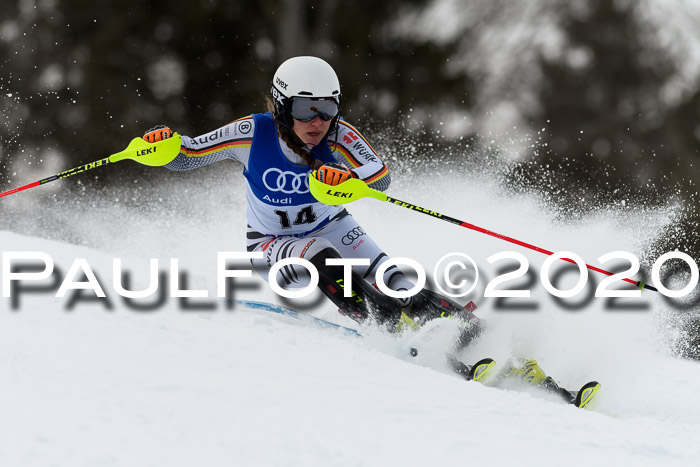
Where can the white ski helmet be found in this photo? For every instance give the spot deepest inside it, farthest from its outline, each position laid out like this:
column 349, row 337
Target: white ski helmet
column 306, row 80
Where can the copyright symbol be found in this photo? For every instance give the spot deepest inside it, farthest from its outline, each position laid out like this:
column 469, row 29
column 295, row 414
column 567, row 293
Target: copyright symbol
column 458, row 272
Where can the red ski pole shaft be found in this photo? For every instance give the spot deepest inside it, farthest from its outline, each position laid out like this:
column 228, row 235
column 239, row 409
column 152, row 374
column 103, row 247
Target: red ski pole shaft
column 467, row 225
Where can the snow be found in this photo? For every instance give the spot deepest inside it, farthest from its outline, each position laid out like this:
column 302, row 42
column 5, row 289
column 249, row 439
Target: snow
column 87, row 384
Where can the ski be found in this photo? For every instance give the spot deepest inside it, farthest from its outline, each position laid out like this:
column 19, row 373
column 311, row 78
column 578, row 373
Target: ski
column 286, row 311
column 528, row 371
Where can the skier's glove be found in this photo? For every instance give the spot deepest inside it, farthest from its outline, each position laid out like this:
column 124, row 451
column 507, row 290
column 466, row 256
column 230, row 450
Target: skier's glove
column 334, row 174
column 157, row 133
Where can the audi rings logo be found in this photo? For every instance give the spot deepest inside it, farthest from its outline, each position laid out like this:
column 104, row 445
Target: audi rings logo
column 353, row 235
column 287, row 182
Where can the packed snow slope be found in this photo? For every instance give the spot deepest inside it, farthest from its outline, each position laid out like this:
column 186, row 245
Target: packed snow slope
column 104, row 382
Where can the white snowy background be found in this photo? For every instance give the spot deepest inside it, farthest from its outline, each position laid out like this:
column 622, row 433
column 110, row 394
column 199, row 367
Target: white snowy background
column 95, row 386
column 98, row 385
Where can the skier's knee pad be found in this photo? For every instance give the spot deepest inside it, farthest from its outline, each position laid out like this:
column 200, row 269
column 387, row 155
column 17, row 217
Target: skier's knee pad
column 318, row 259
column 365, row 300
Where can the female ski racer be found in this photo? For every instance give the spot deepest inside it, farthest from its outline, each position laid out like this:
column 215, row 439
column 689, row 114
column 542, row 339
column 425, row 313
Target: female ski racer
column 303, row 132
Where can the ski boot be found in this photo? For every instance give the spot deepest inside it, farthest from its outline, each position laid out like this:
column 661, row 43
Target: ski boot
column 406, row 323
column 530, row 372
column 428, row 305
column 526, row 370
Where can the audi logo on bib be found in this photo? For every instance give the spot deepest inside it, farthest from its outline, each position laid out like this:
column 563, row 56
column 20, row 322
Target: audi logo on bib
column 353, row 235
column 287, row 182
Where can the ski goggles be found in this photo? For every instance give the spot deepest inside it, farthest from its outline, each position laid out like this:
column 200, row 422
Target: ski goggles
column 306, row 109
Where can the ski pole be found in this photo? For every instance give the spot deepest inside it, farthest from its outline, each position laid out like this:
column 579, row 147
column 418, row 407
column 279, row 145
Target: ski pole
column 153, row 154
column 354, row 189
